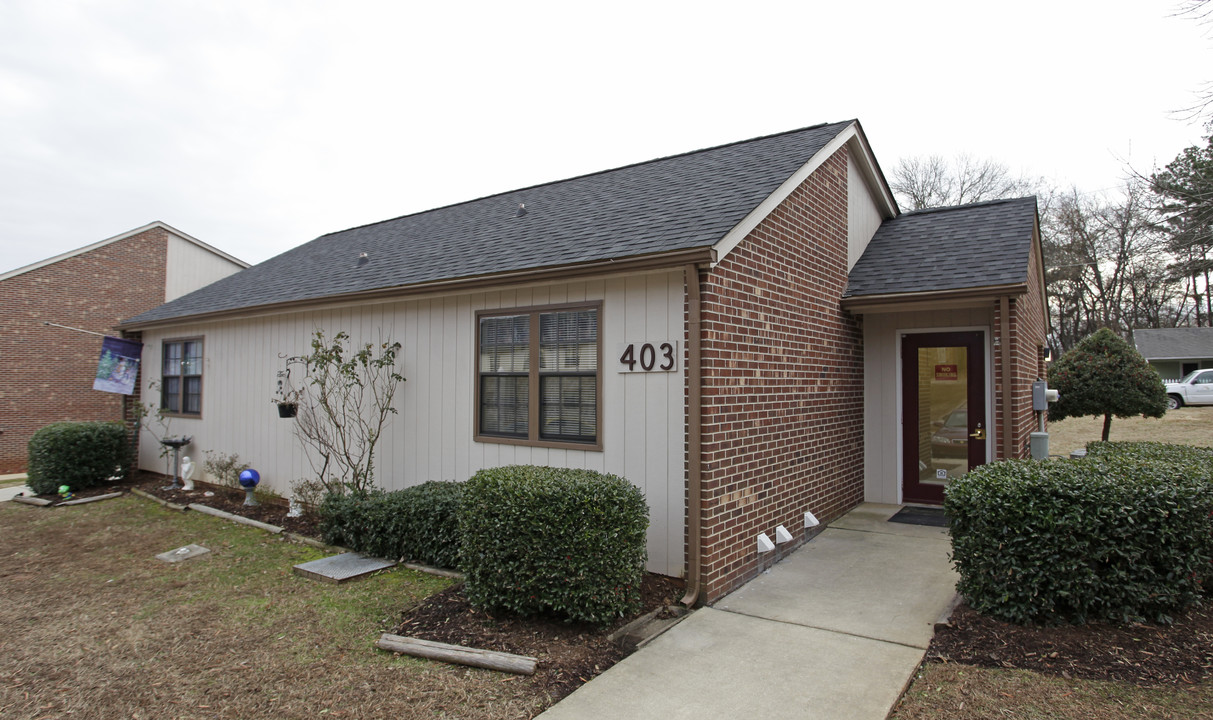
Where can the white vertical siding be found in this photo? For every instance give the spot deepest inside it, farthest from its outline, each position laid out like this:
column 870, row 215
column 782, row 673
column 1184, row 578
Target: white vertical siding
column 189, row 267
column 863, row 215
column 431, row 436
column 882, row 385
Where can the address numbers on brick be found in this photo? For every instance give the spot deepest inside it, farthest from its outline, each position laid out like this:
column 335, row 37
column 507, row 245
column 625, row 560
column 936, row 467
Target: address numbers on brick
column 648, row 357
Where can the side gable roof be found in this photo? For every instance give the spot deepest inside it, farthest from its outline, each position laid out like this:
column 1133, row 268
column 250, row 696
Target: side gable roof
column 1174, row 343
column 116, row 238
column 674, row 209
column 962, row 248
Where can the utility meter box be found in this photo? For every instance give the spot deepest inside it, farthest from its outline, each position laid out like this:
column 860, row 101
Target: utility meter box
column 1042, row 396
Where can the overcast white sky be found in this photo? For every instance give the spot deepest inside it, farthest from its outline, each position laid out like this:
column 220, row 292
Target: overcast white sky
column 256, row 126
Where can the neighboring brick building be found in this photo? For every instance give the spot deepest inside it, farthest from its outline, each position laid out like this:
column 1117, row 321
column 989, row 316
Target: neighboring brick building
column 47, row 371
column 739, row 331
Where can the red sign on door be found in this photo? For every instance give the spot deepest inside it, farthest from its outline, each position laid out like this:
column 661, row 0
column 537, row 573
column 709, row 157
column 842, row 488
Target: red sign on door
column 947, row 372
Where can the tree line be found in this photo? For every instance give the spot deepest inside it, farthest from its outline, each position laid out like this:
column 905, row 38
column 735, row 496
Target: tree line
column 1139, row 258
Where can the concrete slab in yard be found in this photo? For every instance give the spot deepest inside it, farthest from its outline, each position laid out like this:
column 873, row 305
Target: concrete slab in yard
column 342, row 568
column 873, row 584
column 719, row 664
column 183, row 553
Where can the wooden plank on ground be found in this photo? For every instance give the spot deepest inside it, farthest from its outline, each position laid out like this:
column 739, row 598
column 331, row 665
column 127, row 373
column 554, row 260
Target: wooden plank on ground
column 505, row 662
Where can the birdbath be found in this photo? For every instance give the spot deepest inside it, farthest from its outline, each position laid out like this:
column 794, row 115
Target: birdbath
column 248, row 480
column 176, row 443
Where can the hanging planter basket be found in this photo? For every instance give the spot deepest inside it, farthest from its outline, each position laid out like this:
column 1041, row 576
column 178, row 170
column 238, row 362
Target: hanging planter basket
column 288, row 410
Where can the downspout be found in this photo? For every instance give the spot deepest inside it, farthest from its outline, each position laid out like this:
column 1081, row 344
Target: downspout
column 694, row 439
column 1008, row 441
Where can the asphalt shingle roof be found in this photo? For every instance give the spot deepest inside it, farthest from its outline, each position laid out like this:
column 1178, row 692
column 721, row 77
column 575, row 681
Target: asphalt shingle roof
column 1174, row 343
column 676, row 203
column 955, row 248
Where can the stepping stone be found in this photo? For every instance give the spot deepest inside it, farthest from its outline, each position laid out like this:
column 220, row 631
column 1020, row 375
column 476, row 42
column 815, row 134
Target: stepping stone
column 342, row 568
column 183, row 553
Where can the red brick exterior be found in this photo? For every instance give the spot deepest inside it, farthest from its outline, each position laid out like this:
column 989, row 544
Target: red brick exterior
column 1028, row 337
column 47, row 371
column 782, row 392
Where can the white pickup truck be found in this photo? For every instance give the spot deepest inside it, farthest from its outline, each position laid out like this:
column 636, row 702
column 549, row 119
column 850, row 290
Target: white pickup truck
column 1195, row 389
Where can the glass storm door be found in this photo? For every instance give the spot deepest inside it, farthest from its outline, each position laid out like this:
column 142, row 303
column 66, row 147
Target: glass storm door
column 944, row 411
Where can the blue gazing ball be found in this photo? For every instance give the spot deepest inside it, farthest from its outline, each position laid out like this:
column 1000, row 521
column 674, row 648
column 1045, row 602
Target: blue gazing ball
column 249, row 478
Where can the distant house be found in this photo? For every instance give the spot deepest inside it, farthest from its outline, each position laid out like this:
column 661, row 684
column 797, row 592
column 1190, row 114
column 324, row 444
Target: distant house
column 748, row 333
column 1175, row 352
column 48, row 371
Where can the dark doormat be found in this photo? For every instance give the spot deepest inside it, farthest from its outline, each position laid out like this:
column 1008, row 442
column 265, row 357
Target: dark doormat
column 921, row 516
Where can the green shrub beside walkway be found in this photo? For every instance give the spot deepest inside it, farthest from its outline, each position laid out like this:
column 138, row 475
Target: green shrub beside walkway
column 1123, row 535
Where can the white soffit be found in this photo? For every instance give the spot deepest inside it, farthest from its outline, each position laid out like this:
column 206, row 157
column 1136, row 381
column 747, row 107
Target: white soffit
column 851, row 136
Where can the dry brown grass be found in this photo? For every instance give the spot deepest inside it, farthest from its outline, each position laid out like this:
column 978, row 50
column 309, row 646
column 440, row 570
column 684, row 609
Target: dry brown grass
column 1185, row 426
column 93, row 626
column 961, row 692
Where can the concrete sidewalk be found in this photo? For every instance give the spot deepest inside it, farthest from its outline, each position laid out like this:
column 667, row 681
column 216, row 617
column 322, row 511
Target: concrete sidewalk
column 835, row 631
column 8, row 493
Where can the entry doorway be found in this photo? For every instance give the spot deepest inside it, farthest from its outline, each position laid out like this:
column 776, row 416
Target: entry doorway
column 943, row 411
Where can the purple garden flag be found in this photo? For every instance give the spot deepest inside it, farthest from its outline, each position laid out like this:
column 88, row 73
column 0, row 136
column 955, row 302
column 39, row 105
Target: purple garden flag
column 118, row 366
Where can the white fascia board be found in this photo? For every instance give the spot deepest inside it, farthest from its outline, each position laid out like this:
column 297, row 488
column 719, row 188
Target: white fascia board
column 851, row 136
column 114, row 239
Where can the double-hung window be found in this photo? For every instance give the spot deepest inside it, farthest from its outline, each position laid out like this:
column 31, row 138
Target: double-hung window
column 538, row 376
column 181, row 377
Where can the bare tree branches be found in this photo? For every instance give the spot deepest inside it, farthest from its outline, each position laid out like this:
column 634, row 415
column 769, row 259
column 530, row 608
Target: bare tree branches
column 927, row 182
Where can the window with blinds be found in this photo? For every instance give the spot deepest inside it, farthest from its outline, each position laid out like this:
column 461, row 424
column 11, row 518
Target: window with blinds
column 181, row 377
column 538, row 376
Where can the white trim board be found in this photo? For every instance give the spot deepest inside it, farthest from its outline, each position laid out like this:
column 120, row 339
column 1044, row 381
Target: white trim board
column 850, row 136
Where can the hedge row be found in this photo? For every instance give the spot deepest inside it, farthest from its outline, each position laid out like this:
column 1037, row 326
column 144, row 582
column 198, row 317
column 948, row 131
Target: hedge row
column 529, row 539
column 77, row 454
column 1123, row 535
column 419, row 523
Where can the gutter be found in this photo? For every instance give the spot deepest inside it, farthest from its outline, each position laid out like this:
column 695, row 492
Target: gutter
column 694, row 440
column 931, row 299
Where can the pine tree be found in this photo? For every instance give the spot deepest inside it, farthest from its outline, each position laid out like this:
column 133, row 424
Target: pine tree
column 1185, row 188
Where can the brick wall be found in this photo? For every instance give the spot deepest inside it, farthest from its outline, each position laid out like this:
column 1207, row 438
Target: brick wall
column 47, row 372
column 782, row 381
column 1028, row 338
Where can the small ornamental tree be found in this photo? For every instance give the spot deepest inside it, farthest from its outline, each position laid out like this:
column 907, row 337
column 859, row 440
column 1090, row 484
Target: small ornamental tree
column 344, row 405
column 1104, row 375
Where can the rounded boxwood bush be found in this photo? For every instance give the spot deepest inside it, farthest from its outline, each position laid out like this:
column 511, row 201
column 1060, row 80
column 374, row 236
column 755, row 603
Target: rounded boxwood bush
column 1116, row 538
column 77, row 454
column 553, row 540
column 419, row 523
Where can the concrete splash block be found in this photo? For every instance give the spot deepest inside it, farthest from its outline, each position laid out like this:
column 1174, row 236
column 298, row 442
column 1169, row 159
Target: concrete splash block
column 342, row 568
column 183, row 553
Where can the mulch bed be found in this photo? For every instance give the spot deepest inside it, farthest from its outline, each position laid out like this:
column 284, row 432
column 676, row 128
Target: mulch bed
column 1142, row 654
column 569, row 654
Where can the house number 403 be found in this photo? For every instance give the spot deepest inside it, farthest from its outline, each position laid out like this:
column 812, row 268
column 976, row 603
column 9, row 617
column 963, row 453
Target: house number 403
column 648, row 357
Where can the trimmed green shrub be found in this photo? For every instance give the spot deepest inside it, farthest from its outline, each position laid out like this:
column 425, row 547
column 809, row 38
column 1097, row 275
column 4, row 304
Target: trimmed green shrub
column 419, row 523
column 541, row 539
column 1123, row 536
column 1197, row 460
column 1105, row 375
column 77, row 454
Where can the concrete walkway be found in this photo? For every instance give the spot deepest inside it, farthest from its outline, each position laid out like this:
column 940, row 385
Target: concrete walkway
column 834, row 631
column 8, row 493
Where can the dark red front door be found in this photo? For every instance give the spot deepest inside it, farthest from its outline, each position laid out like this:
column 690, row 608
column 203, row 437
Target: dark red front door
column 943, row 411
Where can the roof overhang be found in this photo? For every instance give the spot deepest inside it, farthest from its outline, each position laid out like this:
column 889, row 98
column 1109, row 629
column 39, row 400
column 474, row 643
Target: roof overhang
column 933, row 300
column 641, row 263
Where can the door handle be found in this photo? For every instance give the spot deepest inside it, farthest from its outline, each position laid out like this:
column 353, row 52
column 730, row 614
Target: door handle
column 979, row 434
